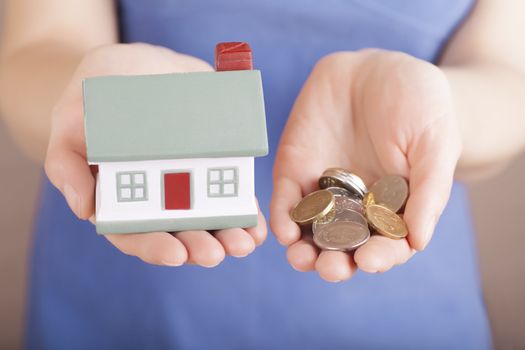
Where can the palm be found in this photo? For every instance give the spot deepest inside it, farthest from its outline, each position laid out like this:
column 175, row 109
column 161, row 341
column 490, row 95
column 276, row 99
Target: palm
column 67, row 168
column 375, row 113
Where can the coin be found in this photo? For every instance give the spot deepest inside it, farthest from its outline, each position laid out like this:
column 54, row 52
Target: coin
column 348, row 203
column 386, row 222
column 351, row 215
column 315, row 205
column 326, row 181
column 369, row 199
column 390, row 191
column 340, row 215
column 342, row 235
column 339, row 177
column 339, row 191
column 358, row 183
column 329, row 217
column 344, row 200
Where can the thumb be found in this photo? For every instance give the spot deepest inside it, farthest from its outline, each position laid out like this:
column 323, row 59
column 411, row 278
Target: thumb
column 70, row 173
column 433, row 162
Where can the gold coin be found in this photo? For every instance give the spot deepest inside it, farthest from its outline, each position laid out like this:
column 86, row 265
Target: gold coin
column 329, row 217
column 390, row 191
column 315, row 205
column 369, row 199
column 385, row 222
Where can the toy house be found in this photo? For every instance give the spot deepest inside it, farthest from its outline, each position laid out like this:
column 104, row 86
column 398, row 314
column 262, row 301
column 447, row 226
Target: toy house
column 176, row 151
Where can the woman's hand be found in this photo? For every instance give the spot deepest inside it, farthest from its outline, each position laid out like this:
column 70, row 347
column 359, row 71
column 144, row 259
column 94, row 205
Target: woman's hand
column 374, row 113
column 68, row 170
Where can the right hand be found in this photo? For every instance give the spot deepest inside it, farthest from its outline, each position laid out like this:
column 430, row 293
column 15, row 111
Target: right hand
column 67, row 167
column 375, row 112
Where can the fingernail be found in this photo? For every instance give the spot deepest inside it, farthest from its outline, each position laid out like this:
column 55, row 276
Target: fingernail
column 72, row 199
column 173, row 263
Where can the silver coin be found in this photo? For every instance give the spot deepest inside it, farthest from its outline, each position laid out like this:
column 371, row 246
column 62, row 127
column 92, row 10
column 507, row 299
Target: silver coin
column 344, row 200
column 349, row 203
column 339, row 191
column 339, row 177
column 331, row 181
column 347, row 215
column 342, row 236
column 357, row 182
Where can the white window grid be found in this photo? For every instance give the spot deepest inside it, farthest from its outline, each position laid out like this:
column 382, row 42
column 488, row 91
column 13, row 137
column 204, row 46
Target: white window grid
column 223, row 182
column 131, row 186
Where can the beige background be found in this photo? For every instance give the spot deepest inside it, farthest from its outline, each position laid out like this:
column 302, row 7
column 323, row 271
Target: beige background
column 497, row 208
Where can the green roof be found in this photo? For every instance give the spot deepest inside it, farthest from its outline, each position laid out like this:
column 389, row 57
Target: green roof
column 173, row 116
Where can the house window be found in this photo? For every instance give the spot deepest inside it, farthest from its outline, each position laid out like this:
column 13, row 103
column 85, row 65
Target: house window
column 222, row 182
column 131, row 186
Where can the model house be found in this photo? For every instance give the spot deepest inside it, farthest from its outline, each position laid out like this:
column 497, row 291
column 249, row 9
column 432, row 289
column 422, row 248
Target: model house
column 176, row 151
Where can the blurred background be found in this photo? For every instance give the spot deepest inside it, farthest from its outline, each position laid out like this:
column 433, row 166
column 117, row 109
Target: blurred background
column 498, row 209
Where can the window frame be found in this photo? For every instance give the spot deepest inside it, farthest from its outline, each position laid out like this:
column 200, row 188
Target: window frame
column 221, row 182
column 132, row 186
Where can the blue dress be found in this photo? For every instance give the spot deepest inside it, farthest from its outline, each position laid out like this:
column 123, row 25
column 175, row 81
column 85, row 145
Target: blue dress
column 86, row 294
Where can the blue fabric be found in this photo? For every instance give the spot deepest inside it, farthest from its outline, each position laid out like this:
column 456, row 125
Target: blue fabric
column 86, row 294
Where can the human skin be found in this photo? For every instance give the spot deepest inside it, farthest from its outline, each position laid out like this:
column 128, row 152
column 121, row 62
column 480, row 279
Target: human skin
column 404, row 115
column 382, row 113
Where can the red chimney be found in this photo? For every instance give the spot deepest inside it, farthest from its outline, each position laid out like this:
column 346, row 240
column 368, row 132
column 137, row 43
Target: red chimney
column 233, row 56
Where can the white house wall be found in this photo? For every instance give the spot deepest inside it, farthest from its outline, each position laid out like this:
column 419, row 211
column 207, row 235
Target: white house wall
column 109, row 209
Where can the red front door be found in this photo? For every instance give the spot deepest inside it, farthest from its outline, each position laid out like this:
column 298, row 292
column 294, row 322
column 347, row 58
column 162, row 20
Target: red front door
column 177, row 191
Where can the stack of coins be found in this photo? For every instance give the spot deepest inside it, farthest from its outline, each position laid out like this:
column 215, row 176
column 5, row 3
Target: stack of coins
column 343, row 213
column 387, row 197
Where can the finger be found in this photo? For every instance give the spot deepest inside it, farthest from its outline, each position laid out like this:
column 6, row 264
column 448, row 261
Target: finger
column 158, row 248
column 203, row 249
column 260, row 231
column 236, row 242
column 70, row 173
column 334, row 266
column 380, row 254
column 302, row 255
column 431, row 176
column 286, row 195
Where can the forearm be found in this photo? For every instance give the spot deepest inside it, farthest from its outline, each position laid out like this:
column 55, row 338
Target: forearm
column 490, row 107
column 42, row 42
column 31, row 80
column 485, row 65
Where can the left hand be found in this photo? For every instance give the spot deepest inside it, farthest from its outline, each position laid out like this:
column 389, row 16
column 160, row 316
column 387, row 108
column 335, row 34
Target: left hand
column 375, row 113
